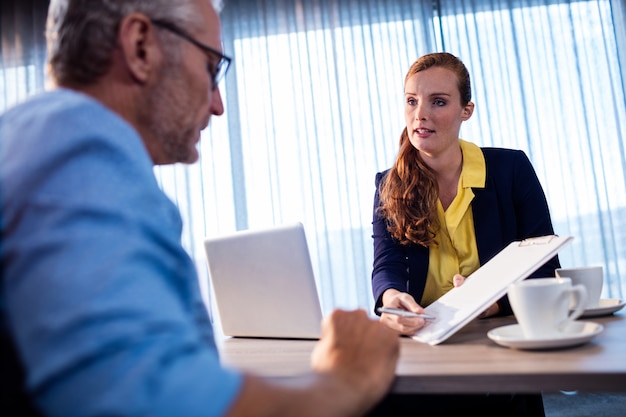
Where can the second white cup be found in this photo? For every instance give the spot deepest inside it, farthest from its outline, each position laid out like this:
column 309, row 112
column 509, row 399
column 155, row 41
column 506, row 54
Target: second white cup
column 541, row 305
column 591, row 277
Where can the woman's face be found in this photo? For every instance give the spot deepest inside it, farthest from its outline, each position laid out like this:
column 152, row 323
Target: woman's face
column 433, row 111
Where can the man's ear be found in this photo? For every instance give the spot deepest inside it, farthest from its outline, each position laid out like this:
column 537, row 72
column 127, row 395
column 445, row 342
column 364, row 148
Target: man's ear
column 139, row 46
column 467, row 111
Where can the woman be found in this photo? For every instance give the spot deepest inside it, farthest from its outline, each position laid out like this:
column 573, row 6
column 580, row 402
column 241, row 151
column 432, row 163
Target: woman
column 447, row 206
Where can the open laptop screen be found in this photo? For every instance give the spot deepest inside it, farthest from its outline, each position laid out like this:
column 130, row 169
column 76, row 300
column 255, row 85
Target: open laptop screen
column 263, row 283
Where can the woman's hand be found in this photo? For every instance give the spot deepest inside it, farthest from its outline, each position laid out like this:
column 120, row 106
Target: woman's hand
column 494, row 309
column 403, row 325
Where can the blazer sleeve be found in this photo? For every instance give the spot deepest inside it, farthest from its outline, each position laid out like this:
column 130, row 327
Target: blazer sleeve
column 532, row 211
column 390, row 269
column 512, row 206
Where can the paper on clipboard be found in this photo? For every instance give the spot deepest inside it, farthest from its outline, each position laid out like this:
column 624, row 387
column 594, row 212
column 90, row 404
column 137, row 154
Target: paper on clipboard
column 487, row 285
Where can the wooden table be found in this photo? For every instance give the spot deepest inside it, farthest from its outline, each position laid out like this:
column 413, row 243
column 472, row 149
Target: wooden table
column 468, row 362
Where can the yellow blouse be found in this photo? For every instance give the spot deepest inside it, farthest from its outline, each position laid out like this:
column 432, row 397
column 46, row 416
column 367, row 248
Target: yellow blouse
column 455, row 250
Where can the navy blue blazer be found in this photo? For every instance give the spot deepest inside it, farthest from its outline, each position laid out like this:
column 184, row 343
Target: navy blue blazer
column 512, row 206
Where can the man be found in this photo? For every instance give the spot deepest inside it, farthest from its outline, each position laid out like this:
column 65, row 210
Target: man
column 100, row 312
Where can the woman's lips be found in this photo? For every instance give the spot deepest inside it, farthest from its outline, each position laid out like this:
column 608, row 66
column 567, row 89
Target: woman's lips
column 422, row 132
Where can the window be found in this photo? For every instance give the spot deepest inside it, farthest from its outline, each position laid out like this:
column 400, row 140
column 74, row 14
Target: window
column 315, row 109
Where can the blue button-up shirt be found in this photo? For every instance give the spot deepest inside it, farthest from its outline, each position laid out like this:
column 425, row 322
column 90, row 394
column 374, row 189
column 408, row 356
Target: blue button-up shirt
column 97, row 293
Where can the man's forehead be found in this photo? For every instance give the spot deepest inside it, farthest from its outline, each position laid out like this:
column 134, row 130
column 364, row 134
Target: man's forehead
column 210, row 27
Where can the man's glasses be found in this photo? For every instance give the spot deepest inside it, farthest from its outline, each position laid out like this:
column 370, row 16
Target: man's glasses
column 217, row 71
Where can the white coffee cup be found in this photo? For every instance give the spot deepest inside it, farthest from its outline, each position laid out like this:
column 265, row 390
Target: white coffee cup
column 541, row 305
column 591, row 277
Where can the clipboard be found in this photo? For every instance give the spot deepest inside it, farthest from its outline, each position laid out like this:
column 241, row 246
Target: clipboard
column 486, row 285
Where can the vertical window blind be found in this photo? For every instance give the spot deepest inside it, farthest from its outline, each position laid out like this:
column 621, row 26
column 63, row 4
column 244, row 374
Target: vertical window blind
column 315, row 107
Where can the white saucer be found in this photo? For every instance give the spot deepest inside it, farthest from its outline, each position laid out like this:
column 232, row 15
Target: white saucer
column 576, row 333
column 606, row 306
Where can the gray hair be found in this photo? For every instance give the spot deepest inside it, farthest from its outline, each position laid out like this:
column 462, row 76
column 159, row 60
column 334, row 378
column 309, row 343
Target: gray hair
column 81, row 34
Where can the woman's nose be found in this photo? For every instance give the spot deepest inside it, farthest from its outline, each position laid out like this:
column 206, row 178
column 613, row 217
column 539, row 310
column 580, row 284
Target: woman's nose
column 421, row 113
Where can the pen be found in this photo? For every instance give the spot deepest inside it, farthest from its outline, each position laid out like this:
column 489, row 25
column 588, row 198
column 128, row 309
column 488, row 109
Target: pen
column 403, row 313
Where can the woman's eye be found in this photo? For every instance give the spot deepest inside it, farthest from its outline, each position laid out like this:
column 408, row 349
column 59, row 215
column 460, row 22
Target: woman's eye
column 411, row 101
column 439, row 102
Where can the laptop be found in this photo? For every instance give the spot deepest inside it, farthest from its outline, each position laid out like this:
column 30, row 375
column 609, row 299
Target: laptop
column 263, row 283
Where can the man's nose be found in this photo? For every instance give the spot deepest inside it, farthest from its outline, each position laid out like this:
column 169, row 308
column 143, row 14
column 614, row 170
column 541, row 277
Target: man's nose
column 217, row 106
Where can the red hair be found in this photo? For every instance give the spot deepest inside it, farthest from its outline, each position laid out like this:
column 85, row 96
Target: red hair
column 409, row 192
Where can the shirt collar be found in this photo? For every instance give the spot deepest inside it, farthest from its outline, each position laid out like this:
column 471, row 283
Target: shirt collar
column 474, row 172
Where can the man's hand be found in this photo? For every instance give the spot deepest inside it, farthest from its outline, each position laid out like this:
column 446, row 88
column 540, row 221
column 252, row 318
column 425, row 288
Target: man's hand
column 360, row 351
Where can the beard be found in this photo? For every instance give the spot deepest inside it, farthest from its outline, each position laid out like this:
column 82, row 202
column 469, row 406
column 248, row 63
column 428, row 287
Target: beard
column 170, row 116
